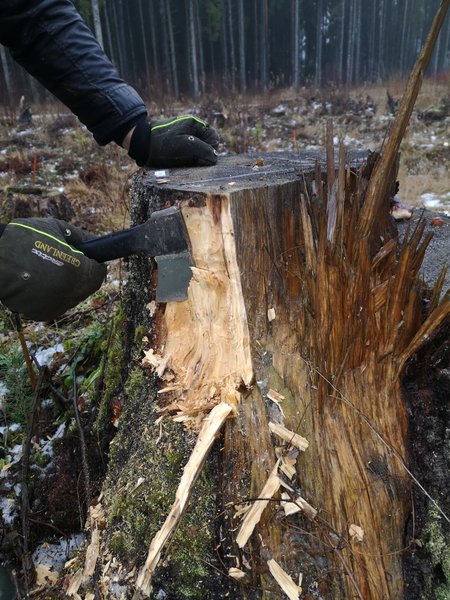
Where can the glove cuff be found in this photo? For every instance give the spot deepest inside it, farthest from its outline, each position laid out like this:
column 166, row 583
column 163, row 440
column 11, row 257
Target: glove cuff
column 140, row 142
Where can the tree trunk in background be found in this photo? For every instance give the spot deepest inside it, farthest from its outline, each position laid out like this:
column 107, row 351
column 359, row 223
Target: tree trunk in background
column 231, row 29
column 404, row 37
column 144, row 37
column 201, row 58
column 130, row 38
column 172, row 52
column 319, row 44
column 6, row 71
column 256, row 56
column 264, row 45
column 341, row 43
column 224, row 39
column 358, row 27
column 153, row 35
column 381, row 40
column 164, row 32
column 193, row 50
column 296, row 44
column 124, row 54
column 351, row 43
column 97, row 22
column 242, row 66
column 109, row 38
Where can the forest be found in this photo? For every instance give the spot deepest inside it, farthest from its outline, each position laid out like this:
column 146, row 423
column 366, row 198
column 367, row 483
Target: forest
column 191, row 47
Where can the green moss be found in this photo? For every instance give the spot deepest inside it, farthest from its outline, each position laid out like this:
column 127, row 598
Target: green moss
column 137, row 509
column 437, row 542
column 113, row 370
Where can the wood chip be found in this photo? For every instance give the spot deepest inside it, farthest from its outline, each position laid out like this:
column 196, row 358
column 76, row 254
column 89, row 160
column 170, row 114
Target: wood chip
column 285, row 581
column 275, row 396
column 243, row 508
column 271, row 316
column 289, row 436
column 289, row 507
column 356, row 533
column 162, row 366
column 151, row 359
column 236, row 573
column 91, row 555
column 44, row 575
column 288, row 462
column 75, row 583
column 253, row 516
column 309, row 511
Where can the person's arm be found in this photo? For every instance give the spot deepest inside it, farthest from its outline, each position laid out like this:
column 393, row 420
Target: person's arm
column 51, row 41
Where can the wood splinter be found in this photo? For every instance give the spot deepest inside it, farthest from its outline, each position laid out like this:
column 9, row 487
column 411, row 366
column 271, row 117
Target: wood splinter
column 285, row 581
column 253, row 516
column 288, row 436
column 211, row 426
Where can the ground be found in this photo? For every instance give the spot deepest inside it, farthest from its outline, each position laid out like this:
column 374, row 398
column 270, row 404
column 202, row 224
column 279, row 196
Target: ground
column 53, row 167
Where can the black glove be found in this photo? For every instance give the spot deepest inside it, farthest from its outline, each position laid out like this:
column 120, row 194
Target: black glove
column 42, row 274
column 179, row 142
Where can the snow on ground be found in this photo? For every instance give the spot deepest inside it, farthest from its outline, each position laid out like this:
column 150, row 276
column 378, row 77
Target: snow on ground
column 57, row 554
column 44, row 356
column 437, row 202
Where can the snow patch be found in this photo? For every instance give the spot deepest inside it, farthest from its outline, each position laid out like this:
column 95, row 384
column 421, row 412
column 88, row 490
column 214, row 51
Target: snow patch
column 56, row 555
column 44, row 356
column 435, row 201
column 8, row 510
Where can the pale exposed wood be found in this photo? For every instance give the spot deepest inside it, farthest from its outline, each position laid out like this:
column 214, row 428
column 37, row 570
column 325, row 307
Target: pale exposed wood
column 211, row 426
column 285, row 581
column 236, row 573
column 207, row 344
column 275, row 396
column 356, row 532
column 92, row 553
column 253, row 516
column 290, row 437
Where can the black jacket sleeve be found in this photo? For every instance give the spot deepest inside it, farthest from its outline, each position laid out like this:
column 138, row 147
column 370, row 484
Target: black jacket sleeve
column 51, row 41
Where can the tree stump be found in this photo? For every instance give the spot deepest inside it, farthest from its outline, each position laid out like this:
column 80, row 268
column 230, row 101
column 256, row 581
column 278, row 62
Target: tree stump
column 303, row 328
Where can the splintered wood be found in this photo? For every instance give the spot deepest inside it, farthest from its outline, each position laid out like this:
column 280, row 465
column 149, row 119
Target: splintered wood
column 289, row 436
column 211, row 426
column 206, row 346
column 285, row 465
column 253, row 516
column 285, row 581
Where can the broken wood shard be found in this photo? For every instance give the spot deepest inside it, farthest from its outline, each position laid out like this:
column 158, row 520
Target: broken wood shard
column 253, row 516
column 211, row 426
column 290, row 437
column 285, row 581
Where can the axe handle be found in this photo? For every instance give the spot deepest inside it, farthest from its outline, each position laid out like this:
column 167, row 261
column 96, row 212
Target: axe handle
column 114, row 245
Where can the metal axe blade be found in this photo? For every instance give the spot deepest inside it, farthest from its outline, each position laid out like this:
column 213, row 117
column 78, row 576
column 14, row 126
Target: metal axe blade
column 164, row 236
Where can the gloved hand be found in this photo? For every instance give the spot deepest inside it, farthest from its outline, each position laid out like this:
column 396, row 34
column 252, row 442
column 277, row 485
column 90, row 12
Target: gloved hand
column 179, row 142
column 42, row 274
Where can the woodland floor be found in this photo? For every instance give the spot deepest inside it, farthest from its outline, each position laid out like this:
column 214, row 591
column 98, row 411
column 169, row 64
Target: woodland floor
column 53, row 167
